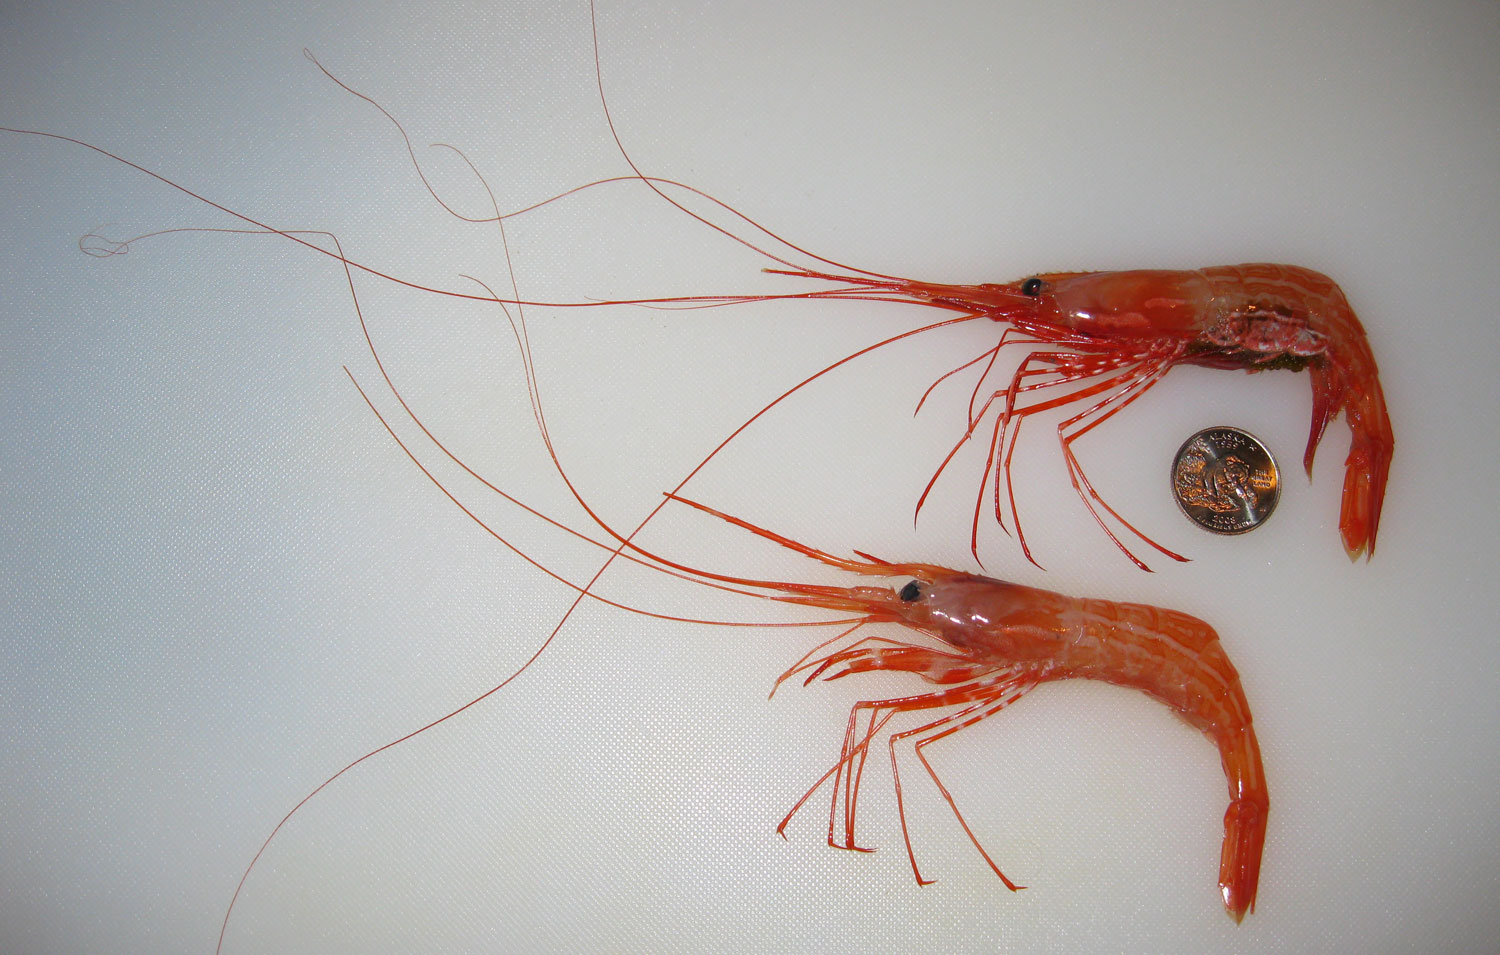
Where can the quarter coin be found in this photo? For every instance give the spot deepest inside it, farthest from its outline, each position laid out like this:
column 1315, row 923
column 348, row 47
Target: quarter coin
column 1225, row 480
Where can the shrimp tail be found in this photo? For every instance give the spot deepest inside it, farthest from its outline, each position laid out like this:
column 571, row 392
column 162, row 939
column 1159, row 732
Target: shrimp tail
column 1244, row 825
column 1359, row 397
column 1365, row 471
column 1239, row 867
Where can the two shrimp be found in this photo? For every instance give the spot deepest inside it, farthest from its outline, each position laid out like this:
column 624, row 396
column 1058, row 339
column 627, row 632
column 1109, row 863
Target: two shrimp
column 1100, row 340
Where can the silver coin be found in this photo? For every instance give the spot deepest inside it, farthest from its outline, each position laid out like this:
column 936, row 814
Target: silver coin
column 1225, row 480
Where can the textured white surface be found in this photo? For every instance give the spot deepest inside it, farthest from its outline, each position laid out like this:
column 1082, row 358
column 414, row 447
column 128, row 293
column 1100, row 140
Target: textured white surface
column 220, row 580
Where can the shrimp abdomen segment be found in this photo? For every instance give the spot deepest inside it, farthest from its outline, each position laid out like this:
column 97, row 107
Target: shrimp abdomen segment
column 1177, row 658
column 1172, row 656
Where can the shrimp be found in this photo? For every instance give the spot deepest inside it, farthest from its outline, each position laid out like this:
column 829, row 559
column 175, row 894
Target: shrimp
column 1108, row 337
column 991, row 642
column 1102, row 339
column 997, row 640
column 1112, row 336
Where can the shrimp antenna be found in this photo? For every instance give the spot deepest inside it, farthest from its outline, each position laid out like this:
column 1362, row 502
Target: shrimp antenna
column 653, row 184
column 870, row 565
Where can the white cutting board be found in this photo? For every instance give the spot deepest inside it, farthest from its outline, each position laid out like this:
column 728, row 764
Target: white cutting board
column 220, row 580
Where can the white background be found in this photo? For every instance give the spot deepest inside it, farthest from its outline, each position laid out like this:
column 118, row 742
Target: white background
column 220, row 580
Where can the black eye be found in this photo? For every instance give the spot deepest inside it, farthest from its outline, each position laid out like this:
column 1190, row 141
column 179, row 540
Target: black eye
column 911, row 591
column 1032, row 286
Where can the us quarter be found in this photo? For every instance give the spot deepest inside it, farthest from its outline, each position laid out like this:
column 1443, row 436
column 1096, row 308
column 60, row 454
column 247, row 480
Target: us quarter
column 1225, row 480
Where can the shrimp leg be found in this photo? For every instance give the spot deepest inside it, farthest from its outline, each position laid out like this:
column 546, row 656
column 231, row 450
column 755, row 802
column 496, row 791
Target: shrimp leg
column 983, row 689
column 1069, row 431
column 1004, row 436
column 979, row 699
column 935, row 731
column 1119, row 390
column 986, row 688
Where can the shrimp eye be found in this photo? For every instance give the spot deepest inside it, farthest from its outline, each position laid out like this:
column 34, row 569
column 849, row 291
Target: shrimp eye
column 911, row 591
column 1032, row 286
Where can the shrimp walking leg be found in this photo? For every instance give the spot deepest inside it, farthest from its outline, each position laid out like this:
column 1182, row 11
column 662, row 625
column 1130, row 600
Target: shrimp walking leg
column 1074, row 428
column 1122, row 376
column 936, row 731
column 983, row 689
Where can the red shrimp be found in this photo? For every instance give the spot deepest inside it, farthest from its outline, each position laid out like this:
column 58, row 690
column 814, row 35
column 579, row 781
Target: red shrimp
column 992, row 642
column 1103, row 338
column 996, row 641
column 1113, row 335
